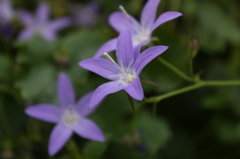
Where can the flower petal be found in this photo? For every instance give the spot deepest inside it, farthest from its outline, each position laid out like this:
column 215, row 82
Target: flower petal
column 45, row 112
column 82, row 106
column 120, row 22
column 134, row 89
column 103, row 90
column 42, row 13
column 167, row 16
column 26, row 34
column 107, row 47
column 148, row 55
column 59, row 24
column 48, row 35
column 66, row 95
column 102, row 67
column 137, row 50
column 89, row 130
column 124, row 51
column 149, row 13
column 59, row 136
column 25, row 18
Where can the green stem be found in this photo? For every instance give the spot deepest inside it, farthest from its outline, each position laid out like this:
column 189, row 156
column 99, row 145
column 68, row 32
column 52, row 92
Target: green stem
column 176, row 70
column 191, row 67
column 135, row 116
column 192, row 87
column 73, row 149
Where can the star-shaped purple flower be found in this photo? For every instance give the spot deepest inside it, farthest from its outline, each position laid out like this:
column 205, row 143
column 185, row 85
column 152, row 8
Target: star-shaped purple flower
column 124, row 75
column 40, row 24
column 70, row 116
column 6, row 12
column 141, row 32
column 91, row 9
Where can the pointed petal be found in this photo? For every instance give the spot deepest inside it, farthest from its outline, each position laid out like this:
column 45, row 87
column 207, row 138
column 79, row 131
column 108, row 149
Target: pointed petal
column 59, row 24
column 46, row 112
column 59, row 136
column 149, row 13
column 167, row 16
column 66, row 95
column 89, row 130
column 42, row 12
column 137, row 50
column 25, row 34
column 107, row 47
column 120, row 22
column 102, row 67
column 82, row 106
column 49, row 35
column 124, row 51
column 134, row 89
column 103, row 90
column 25, row 17
column 148, row 55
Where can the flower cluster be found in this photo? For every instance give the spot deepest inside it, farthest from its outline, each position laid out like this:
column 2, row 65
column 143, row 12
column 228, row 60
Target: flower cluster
column 123, row 72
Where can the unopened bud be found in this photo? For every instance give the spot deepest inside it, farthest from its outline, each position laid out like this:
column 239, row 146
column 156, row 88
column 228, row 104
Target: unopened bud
column 193, row 48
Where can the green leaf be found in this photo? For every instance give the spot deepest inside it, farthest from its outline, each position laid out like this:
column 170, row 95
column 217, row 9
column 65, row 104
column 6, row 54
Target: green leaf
column 39, row 84
column 94, row 150
column 155, row 131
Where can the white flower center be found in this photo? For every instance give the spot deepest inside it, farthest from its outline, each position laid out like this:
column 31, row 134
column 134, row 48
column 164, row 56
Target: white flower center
column 127, row 75
column 141, row 36
column 70, row 116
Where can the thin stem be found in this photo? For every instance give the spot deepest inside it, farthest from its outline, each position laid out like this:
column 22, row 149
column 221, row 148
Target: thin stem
column 192, row 87
column 176, row 70
column 191, row 67
column 135, row 116
column 73, row 149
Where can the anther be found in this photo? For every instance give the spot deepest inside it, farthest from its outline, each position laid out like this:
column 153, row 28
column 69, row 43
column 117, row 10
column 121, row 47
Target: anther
column 124, row 11
column 109, row 57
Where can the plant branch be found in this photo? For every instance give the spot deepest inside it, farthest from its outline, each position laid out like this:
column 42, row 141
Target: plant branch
column 176, row 70
column 192, row 87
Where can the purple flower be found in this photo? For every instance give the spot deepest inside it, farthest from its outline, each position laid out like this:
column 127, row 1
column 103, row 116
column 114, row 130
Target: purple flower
column 6, row 12
column 70, row 116
column 85, row 16
column 40, row 24
column 124, row 75
column 141, row 32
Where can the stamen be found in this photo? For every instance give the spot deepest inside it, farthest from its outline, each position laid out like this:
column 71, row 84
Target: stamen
column 129, row 65
column 122, row 66
column 115, row 75
column 124, row 11
column 109, row 57
column 119, row 81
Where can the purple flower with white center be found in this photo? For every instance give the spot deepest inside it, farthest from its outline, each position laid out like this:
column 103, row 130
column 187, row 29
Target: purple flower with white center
column 6, row 12
column 40, row 24
column 141, row 32
column 70, row 116
column 124, row 75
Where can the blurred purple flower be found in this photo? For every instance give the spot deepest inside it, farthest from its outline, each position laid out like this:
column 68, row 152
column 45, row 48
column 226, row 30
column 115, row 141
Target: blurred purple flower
column 141, row 32
column 6, row 12
column 40, row 24
column 6, row 16
column 124, row 75
column 87, row 15
column 70, row 116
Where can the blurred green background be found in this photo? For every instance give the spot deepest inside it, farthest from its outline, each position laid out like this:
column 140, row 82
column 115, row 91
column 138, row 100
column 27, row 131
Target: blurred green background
column 201, row 124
